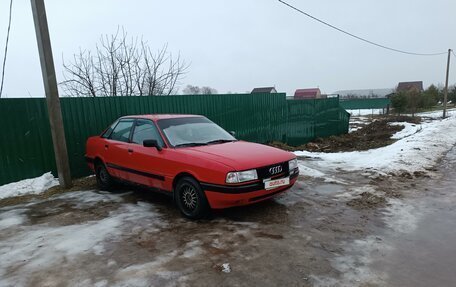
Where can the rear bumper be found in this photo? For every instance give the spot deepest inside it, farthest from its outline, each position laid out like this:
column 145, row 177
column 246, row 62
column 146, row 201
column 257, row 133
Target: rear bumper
column 228, row 196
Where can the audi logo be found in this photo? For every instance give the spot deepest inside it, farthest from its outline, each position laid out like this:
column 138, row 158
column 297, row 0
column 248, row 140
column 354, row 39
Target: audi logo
column 275, row 170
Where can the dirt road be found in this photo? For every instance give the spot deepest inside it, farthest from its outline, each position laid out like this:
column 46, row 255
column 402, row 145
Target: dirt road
column 350, row 229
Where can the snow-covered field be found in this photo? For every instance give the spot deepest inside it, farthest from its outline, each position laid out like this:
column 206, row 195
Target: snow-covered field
column 418, row 147
column 438, row 114
column 366, row 112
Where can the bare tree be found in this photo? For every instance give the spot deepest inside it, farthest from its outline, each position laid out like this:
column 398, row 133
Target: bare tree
column 208, row 91
column 123, row 67
column 195, row 90
column 191, row 90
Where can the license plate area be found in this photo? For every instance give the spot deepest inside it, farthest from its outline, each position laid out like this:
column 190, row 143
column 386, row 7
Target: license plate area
column 274, row 183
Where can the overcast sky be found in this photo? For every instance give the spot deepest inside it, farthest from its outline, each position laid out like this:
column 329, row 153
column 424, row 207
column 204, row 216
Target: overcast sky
column 236, row 45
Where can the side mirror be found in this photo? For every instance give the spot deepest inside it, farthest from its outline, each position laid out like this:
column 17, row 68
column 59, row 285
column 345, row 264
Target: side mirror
column 233, row 133
column 152, row 143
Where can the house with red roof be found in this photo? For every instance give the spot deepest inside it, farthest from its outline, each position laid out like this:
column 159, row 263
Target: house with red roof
column 313, row 93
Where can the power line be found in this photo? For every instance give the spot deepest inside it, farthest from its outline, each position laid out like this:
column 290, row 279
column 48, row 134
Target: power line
column 358, row 37
column 6, row 47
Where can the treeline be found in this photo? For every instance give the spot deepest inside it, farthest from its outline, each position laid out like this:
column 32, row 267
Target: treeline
column 413, row 100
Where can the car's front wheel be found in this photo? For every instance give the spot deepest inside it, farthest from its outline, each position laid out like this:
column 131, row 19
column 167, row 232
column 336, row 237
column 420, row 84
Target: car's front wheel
column 104, row 179
column 190, row 199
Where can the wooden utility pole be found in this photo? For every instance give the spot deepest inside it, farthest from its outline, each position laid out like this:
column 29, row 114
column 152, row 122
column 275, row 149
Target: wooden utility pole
column 52, row 93
column 445, row 92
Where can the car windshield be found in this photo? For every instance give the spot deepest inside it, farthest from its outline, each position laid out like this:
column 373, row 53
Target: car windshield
column 193, row 131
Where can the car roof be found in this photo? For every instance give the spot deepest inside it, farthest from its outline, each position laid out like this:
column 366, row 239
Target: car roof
column 156, row 117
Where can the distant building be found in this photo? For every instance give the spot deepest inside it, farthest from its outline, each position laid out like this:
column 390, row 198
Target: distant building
column 408, row 86
column 313, row 93
column 264, row 90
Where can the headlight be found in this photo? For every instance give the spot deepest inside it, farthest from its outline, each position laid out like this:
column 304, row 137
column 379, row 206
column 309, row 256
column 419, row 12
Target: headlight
column 292, row 164
column 241, row 176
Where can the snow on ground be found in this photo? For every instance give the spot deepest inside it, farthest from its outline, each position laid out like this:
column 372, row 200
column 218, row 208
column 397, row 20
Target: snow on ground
column 11, row 218
column 311, row 172
column 437, row 114
column 356, row 261
column 226, row 268
column 308, row 171
column 134, row 275
column 354, row 265
column 409, row 129
column 416, row 150
column 402, row 217
column 357, row 122
column 28, row 186
column 350, row 130
column 192, row 249
column 418, row 146
column 27, row 248
column 366, row 112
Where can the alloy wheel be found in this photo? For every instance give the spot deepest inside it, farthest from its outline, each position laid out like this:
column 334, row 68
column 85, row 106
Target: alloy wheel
column 189, row 198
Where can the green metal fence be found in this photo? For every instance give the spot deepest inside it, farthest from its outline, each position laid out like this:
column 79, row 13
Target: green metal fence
column 26, row 145
column 360, row 104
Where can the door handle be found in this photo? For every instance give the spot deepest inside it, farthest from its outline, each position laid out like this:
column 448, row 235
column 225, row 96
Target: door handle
column 130, row 150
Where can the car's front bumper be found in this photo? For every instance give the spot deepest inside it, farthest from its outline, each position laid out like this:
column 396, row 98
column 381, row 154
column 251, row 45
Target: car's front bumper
column 224, row 196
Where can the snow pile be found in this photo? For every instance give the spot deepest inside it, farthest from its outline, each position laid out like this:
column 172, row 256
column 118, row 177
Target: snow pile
column 415, row 151
column 28, row 186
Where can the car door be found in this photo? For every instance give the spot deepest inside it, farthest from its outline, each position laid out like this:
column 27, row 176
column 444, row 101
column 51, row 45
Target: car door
column 116, row 149
column 147, row 162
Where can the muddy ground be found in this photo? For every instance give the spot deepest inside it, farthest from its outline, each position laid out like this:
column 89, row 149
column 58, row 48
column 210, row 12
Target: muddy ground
column 364, row 135
column 343, row 229
column 343, row 233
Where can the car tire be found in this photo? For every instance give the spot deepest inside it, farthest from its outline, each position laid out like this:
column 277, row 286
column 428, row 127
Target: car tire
column 104, row 179
column 190, row 199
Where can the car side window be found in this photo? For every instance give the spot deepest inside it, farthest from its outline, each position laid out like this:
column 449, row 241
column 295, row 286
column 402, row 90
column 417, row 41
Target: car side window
column 122, row 130
column 146, row 130
column 109, row 130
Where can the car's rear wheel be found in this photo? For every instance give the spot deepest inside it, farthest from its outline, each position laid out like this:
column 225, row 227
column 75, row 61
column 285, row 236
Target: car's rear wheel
column 104, row 179
column 190, row 199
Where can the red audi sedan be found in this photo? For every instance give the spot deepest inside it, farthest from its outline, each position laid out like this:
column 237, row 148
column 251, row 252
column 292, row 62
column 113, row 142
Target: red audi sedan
column 191, row 158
